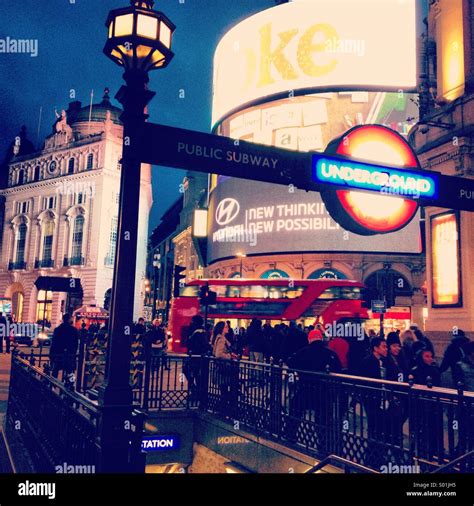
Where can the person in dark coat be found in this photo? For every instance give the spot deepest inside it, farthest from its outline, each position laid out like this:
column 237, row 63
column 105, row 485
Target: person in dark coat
column 198, row 344
column 426, row 368
column 310, row 391
column 4, row 334
column 316, row 356
column 256, row 340
column 453, row 355
column 421, row 343
column 430, row 424
column 374, row 366
column 294, row 341
column 397, row 370
column 63, row 349
column 397, row 365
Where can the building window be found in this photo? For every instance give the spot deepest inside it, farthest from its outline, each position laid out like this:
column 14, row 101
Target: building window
column 81, row 198
column 48, row 233
column 70, row 166
column 21, row 177
column 49, row 203
column 110, row 260
column 20, row 244
column 22, row 207
column 90, row 161
column 44, row 307
column 77, row 236
column 37, row 173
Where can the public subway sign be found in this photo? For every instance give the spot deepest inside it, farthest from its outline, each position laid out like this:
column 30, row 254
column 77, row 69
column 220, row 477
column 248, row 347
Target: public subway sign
column 302, row 46
column 160, row 443
column 368, row 161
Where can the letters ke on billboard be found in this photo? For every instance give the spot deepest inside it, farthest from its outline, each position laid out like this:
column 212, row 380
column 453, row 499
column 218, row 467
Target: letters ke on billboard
column 257, row 218
column 310, row 45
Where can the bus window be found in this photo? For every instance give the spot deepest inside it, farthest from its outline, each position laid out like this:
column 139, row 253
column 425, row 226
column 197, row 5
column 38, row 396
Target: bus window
column 189, row 291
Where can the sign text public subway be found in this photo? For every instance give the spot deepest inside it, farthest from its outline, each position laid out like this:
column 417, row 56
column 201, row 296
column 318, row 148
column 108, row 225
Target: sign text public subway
column 235, row 156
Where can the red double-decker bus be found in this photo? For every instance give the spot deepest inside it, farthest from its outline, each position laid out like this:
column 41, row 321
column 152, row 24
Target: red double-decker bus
column 308, row 301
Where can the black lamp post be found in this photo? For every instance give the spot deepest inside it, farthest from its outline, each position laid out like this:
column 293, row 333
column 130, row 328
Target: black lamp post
column 139, row 39
column 156, row 266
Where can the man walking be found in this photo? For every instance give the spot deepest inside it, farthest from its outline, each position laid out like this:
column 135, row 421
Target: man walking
column 64, row 348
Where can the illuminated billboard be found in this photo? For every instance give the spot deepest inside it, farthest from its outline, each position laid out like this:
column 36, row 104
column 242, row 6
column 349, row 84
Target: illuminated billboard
column 304, row 123
column 297, row 47
column 445, row 260
column 250, row 217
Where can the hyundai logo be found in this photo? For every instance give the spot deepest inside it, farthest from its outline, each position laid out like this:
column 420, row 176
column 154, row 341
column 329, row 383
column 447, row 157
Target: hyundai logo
column 227, row 210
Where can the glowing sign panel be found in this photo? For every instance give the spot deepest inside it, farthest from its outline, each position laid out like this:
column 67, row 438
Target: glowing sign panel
column 160, row 443
column 369, row 213
column 310, row 45
column 445, row 260
column 369, row 177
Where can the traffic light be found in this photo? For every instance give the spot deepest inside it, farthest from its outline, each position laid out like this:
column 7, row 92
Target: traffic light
column 179, row 279
column 206, row 296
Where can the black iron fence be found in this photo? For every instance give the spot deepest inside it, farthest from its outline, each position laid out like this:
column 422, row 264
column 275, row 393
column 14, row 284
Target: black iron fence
column 388, row 426
column 58, row 425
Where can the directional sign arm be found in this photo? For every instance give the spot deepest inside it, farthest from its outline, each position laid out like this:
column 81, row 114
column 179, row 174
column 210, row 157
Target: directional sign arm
column 213, row 154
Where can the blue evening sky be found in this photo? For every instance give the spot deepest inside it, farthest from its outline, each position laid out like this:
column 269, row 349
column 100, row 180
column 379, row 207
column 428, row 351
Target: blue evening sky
column 71, row 35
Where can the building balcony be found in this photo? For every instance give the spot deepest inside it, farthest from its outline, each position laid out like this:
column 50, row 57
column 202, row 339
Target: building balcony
column 73, row 261
column 14, row 266
column 40, row 264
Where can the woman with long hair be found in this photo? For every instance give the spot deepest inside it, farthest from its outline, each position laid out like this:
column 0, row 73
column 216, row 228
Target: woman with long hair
column 221, row 346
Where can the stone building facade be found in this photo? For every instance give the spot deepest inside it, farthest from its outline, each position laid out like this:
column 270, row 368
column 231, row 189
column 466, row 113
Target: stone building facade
column 60, row 207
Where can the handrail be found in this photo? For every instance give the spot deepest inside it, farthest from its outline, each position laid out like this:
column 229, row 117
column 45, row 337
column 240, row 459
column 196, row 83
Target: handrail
column 340, row 460
column 453, row 462
column 72, row 394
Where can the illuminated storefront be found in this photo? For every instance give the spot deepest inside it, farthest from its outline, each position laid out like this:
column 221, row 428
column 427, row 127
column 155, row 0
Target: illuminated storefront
column 272, row 73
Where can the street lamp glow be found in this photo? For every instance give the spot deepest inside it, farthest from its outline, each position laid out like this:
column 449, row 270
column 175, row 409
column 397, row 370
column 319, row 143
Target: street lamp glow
column 139, row 38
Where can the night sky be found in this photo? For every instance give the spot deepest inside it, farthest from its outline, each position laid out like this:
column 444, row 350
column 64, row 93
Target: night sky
column 71, row 35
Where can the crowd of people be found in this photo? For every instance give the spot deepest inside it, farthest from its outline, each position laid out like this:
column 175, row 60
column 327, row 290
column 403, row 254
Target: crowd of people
column 401, row 356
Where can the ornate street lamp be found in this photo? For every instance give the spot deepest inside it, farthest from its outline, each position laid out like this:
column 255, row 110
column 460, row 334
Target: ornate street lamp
column 139, row 40
column 139, row 37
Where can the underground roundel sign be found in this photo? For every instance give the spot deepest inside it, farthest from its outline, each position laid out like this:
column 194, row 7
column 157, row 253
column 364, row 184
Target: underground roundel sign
column 370, row 213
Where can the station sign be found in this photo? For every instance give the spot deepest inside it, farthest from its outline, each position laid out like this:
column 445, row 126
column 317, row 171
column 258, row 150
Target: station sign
column 391, row 181
column 379, row 306
column 160, row 443
column 398, row 187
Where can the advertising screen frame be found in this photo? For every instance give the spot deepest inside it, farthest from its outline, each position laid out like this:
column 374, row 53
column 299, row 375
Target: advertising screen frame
column 221, row 113
column 457, row 218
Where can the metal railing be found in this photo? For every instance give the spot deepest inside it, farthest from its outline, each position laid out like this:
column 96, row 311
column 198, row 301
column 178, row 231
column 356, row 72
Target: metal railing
column 57, row 424
column 71, row 261
column 374, row 423
column 13, row 266
column 44, row 263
